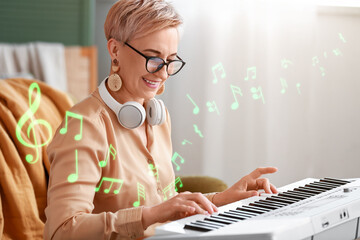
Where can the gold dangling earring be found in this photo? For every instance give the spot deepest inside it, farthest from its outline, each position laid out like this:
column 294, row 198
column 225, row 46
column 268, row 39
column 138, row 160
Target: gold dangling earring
column 161, row 90
column 115, row 82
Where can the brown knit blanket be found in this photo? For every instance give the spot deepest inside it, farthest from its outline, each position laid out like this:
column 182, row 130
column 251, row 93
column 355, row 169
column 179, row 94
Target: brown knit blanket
column 30, row 112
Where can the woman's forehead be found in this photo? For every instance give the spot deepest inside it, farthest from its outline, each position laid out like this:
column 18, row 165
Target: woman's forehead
column 164, row 41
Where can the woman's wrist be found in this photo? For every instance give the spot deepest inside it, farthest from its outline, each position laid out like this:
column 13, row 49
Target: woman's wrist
column 147, row 217
column 219, row 199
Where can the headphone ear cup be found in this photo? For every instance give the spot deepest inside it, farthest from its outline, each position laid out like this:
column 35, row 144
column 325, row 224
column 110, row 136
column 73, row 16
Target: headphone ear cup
column 155, row 112
column 163, row 112
column 131, row 115
column 152, row 112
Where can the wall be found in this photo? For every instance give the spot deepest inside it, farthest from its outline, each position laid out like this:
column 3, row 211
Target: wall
column 306, row 119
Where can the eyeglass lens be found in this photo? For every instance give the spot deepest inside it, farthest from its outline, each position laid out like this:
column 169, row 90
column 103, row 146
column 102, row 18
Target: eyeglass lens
column 155, row 64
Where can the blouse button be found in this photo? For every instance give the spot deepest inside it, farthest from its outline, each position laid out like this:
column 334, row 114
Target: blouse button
column 159, row 190
column 150, row 161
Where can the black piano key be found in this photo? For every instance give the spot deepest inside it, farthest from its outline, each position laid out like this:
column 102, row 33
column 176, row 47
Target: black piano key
column 294, row 196
column 243, row 213
column 217, row 219
column 341, row 181
column 191, row 226
column 275, row 202
column 240, row 214
column 305, row 194
column 212, row 223
column 331, row 182
column 306, row 191
column 258, row 208
column 263, row 206
column 290, row 200
column 278, row 200
column 229, row 215
column 209, row 224
column 325, row 184
column 317, row 191
column 323, row 189
column 225, row 218
column 327, row 188
column 249, row 210
column 272, row 204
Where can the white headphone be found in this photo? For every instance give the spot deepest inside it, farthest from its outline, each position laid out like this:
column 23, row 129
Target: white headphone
column 132, row 114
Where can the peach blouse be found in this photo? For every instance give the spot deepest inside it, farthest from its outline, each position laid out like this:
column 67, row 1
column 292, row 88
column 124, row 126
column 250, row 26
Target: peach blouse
column 102, row 173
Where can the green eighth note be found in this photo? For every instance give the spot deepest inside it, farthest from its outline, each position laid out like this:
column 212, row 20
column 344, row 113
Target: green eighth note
column 112, row 180
column 73, row 115
column 173, row 159
column 74, row 176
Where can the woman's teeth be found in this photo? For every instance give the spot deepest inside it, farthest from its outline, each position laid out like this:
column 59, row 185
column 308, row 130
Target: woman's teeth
column 153, row 83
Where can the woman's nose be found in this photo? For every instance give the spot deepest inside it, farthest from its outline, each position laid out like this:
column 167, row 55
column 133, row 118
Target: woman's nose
column 162, row 73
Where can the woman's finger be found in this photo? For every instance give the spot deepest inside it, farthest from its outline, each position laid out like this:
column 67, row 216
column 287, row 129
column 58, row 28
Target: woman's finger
column 261, row 171
column 185, row 210
column 202, row 200
column 273, row 188
column 197, row 207
column 263, row 183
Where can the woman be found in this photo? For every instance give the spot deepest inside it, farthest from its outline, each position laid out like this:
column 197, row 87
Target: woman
column 111, row 176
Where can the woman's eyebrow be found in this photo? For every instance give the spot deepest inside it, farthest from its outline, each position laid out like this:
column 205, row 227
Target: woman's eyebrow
column 157, row 52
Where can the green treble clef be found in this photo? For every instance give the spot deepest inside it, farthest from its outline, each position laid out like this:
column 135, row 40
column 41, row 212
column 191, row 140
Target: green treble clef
column 29, row 114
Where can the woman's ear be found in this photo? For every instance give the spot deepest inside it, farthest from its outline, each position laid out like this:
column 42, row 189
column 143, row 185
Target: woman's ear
column 113, row 48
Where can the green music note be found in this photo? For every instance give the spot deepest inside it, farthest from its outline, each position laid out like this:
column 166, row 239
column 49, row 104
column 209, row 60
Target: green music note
column 112, row 180
column 73, row 115
column 29, row 115
column 283, row 85
column 196, row 108
column 252, row 71
column 337, row 52
column 285, row 63
column 185, row 141
column 257, row 94
column 342, row 38
column 154, row 171
column 235, row 90
column 171, row 187
column 178, row 180
column 74, row 176
column 141, row 193
column 168, row 189
column 111, row 151
column 315, row 60
column 298, row 88
column 196, row 129
column 173, row 159
column 212, row 107
column 218, row 67
column 322, row 71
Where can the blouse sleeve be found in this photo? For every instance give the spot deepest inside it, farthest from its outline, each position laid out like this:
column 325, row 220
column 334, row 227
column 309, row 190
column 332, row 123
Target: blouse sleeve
column 74, row 175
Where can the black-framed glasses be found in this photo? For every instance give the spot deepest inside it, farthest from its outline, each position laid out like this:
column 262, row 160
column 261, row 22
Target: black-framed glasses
column 154, row 64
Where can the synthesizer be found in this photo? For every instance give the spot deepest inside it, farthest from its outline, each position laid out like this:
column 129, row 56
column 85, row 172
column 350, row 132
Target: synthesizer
column 310, row 209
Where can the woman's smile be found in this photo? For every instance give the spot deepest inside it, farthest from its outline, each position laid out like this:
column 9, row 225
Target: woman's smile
column 151, row 84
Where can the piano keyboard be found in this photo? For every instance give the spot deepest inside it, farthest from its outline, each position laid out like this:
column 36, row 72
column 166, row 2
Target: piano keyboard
column 263, row 206
column 308, row 208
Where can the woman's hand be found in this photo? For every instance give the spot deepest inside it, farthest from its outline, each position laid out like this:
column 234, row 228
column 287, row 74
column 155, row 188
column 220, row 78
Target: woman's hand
column 182, row 205
column 246, row 187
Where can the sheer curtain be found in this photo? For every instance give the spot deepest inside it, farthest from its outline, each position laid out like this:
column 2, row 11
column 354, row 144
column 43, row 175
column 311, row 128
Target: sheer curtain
column 267, row 83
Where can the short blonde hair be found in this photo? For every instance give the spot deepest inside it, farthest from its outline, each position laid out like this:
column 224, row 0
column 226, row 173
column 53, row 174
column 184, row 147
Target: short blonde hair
column 130, row 19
